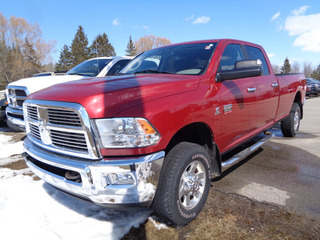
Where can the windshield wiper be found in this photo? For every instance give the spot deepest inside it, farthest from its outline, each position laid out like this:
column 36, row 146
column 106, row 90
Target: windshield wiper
column 119, row 73
column 77, row 74
column 152, row 71
column 74, row 74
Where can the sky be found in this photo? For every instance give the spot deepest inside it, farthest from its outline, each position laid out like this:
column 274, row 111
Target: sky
column 34, row 210
column 286, row 28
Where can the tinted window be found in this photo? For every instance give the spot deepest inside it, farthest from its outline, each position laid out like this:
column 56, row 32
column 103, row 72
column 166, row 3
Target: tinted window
column 90, row 68
column 255, row 53
column 42, row 74
column 118, row 66
column 231, row 54
column 186, row 59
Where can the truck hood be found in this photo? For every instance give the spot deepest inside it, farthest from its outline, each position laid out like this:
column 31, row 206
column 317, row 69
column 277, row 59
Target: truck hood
column 34, row 84
column 105, row 97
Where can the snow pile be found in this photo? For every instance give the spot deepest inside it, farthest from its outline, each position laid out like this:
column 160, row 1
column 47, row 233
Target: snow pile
column 9, row 148
column 34, row 210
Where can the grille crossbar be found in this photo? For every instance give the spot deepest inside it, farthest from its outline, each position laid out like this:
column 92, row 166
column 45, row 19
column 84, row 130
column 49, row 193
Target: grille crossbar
column 63, row 117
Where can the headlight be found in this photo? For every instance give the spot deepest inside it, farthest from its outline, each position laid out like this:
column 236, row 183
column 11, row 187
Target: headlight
column 126, row 133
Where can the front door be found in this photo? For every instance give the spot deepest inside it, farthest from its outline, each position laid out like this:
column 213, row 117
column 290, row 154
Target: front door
column 238, row 101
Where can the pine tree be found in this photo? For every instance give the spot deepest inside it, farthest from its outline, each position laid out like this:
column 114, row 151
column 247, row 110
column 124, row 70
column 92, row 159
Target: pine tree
column 101, row 47
column 65, row 60
column 79, row 47
column 30, row 58
column 286, row 68
column 316, row 73
column 131, row 49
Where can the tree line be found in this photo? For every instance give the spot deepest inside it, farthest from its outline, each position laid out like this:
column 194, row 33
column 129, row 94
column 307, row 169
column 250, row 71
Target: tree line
column 79, row 50
column 307, row 69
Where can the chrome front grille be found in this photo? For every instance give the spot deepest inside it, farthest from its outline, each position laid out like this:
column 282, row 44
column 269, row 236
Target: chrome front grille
column 34, row 131
column 60, row 127
column 63, row 117
column 32, row 112
column 69, row 140
column 16, row 96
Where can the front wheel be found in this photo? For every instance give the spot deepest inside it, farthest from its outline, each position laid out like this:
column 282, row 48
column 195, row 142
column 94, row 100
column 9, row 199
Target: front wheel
column 290, row 125
column 184, row 184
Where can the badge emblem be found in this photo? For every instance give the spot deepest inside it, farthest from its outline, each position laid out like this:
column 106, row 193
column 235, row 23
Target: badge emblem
column 44, row 133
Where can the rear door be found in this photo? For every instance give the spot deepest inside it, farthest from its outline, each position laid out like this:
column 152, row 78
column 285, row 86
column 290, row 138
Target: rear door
column 267, row 89
column 238, row 101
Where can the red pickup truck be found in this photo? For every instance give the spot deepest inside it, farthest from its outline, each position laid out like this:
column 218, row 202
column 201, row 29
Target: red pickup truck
column 156, row 134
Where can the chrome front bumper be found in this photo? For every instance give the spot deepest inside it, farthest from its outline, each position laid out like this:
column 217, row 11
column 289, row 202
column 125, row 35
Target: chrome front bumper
column 107, row 182
column 16, row 121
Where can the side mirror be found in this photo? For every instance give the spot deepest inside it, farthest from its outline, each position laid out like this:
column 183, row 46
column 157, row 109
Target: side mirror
column 242, row 69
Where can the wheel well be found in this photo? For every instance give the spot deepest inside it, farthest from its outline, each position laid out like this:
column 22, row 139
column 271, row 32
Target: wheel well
column 298, row 100
column 201, row 134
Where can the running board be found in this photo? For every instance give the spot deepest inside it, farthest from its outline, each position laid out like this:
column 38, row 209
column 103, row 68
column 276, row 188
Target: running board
column 245, row 153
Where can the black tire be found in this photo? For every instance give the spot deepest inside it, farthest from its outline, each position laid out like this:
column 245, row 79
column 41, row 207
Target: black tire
column 179, row 200
column 14, row 127
column 290, row 125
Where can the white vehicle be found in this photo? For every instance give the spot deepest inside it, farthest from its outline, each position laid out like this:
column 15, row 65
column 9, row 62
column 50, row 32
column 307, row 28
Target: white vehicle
column 44, row 74
column 18, row 91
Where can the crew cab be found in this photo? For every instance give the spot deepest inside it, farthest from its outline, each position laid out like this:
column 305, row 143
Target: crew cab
column 18, row 91
column 156, row 134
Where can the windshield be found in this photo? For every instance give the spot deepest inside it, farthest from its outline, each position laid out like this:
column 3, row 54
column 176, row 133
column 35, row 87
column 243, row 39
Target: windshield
column 89, row 68
column 187, row 59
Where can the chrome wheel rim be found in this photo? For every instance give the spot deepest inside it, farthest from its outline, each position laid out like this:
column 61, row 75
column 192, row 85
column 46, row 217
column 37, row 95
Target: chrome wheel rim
column 192, row 185
column 296, row 120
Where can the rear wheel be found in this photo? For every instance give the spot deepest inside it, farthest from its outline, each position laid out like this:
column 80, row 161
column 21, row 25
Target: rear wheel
column 290, row 125
column 184, row 184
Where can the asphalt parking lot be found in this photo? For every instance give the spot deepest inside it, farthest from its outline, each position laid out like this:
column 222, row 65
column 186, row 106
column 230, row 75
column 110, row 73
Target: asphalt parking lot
column 285, row 171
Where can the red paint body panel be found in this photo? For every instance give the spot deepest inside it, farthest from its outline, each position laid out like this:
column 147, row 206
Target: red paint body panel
column 171, row 102
column 105, row 97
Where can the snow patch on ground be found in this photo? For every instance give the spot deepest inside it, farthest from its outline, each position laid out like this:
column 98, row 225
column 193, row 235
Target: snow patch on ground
column 9, row 160
column 34, row 210
column 157, row 225
column 6, row 173
column 8, row 147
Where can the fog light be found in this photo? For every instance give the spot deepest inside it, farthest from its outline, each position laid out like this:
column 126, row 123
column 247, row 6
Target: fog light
column 120, row 179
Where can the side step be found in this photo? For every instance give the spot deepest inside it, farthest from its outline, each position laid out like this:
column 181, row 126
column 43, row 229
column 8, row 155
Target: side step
column 245, row 153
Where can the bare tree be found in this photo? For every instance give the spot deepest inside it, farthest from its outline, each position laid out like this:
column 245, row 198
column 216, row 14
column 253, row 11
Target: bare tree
column 276, row 69
column 307, row 69
column 295, row 68
column 149, row 42
column 22, row 50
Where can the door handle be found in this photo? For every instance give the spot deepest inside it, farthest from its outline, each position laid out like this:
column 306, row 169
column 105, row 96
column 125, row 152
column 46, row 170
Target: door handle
column 274, row 85
column 251, row 90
